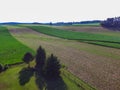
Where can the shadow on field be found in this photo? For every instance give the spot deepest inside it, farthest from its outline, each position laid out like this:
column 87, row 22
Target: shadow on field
column 50, row 84
column 43, row 84
column 40, row 82
column 56, row 84
column 24, row 75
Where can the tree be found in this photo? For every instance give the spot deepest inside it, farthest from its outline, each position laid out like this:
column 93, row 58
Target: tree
column 40, row 59
column 1, row 68
column 52, row 69
column 113, row 23
column 28, row 57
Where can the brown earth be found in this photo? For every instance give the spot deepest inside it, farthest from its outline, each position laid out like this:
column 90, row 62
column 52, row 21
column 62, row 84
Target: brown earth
column 86, row 61
column 92, row 29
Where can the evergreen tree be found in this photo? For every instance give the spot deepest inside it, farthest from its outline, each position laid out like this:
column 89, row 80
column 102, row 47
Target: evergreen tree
column 28, row 57
column 53, row 66
column 40, row 59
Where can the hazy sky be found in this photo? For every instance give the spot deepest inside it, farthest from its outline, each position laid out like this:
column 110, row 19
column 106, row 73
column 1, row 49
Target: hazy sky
column 57, row 10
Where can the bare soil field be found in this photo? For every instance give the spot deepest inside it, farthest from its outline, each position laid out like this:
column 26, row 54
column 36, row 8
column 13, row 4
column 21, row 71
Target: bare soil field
column 92, row 29
column 98, row 66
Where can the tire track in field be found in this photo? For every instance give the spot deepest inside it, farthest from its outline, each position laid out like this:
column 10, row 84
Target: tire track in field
column 99, row 71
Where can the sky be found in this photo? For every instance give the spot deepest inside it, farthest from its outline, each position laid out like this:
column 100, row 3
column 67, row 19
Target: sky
column 57, row 10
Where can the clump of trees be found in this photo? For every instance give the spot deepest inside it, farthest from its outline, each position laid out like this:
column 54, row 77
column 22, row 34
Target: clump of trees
column 47, row 67
column 113, row 23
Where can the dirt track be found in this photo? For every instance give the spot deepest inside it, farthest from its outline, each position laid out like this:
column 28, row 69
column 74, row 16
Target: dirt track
column 100, row 71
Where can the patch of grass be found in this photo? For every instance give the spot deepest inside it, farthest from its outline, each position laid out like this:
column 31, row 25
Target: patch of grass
column 103, row 40
column 107, row 44
column 81, row 85
column 9, row 80
column 11, row 50
column 86, row 25
column 113, row 33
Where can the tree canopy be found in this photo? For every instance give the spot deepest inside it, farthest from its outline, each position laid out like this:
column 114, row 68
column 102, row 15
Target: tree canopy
column 40, row 59
column 28, row 57
column 53, row 66
column 111, row 23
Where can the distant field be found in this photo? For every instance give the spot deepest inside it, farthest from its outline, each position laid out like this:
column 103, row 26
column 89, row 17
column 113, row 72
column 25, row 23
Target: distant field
column 89, row 24
column 11, row 51
column 92, row 38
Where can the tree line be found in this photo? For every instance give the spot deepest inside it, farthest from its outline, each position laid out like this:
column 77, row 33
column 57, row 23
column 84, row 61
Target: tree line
column 113, row 23
column 47, row 67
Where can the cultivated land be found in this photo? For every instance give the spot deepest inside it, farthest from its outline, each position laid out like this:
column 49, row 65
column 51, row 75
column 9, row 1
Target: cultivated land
column 20, row 77
column 11, row 51
column 92, row 38
column 96, row 65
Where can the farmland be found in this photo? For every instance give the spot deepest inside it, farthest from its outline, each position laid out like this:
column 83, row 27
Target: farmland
column 11, row 79
column 89, row 24
column 94, row 64
column 11, row 51
column 92, row 38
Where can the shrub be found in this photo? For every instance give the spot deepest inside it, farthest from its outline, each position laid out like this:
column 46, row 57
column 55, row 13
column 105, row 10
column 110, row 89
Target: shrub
column 28, row 57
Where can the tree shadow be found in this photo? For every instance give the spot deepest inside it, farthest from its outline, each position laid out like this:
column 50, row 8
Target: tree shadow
column 56, row 84
column 24, row 75
column 50, row 84
column 43, row 83
column 40, row 81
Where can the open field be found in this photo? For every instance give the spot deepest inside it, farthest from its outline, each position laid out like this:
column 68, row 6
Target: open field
column 95, row 30
column 90, row 29
column 89, row 24
column 20, row 77
column 88, row 37
column 96, row 65
column 11, row 51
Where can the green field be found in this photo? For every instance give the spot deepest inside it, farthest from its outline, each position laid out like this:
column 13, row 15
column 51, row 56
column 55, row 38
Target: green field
column 86, row 25
column 98, row 39
column 12, row 79
column 11, row 51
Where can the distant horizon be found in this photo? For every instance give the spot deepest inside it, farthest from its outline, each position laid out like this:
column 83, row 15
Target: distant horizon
column 58, row 21
column 46, row 22
column 57, row 11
